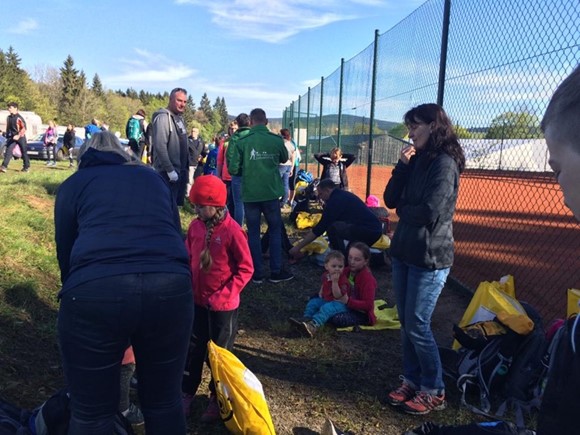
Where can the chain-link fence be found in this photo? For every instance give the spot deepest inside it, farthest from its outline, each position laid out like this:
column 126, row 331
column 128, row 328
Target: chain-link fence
column 493, row 65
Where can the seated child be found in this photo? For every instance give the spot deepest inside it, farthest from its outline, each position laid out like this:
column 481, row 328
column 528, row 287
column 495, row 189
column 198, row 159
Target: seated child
column 334, row 286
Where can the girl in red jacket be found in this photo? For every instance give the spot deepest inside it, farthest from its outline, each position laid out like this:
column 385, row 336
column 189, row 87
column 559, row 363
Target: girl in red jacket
column 221, row 266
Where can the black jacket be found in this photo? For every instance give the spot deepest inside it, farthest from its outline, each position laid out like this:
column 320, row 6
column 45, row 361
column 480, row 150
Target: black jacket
column 424, row 192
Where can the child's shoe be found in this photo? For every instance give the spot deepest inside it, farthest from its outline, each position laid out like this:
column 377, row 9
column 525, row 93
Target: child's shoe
column 308, row 328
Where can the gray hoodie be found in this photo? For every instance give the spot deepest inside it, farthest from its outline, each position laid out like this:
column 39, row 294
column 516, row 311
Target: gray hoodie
column 169, row 142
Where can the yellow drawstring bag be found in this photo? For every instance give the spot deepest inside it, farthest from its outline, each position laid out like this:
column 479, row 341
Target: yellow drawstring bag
column 240, row 396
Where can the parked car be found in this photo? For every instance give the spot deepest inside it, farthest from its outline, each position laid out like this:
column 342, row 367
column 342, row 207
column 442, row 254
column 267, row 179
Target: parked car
column 37, row 150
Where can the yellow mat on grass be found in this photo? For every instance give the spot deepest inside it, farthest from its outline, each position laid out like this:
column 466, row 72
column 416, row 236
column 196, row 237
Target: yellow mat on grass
column 387, row 318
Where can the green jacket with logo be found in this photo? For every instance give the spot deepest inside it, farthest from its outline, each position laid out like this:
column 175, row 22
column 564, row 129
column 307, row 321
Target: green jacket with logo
column 256, row 156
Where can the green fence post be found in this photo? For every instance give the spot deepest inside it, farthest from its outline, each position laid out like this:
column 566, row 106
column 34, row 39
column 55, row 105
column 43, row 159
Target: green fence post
column 307, row 130
column 339, row 132
column 372, row 115
column 443, row 57
column 320, row 122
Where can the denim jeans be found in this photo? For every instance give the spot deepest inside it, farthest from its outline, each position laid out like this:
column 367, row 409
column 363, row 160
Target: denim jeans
column 285, row 174
column 271, row 211
column 237, row 199
column 321, row 311
column 98, row 319
column 416, row 291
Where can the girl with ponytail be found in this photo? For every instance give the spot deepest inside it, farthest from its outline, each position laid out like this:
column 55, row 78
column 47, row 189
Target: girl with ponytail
column 221, row 266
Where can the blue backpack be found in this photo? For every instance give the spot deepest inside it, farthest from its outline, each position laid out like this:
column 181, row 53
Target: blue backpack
column 303, row 175
column 133, row 129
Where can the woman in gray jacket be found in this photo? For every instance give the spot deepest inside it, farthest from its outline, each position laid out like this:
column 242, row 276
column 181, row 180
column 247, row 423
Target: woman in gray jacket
column 423, row 189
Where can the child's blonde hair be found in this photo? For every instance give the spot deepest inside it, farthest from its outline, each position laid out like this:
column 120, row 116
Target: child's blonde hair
column 333, row 255
column 205, row 260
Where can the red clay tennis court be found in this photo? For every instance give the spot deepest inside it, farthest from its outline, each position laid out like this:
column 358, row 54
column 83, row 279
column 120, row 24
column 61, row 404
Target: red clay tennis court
column 507, row 223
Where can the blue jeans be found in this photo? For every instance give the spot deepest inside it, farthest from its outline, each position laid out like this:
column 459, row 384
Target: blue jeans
column 321, row 311
column 98, row 320
column 271, row 211
column 285, row 174
column 416, row 291
column 237, row 199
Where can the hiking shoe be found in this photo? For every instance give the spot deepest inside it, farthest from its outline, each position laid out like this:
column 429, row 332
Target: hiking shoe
column 186, row 401
column 281, row 276
column 423, row 403
column 401, row 394
column 212, row 412
column 134, row 415
column 308, row 328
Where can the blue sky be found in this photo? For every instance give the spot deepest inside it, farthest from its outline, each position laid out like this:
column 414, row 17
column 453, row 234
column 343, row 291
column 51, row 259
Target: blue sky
column 254, row 53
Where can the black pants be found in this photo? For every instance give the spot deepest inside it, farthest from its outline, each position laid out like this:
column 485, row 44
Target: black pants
column 219, row 326
column 10, row 145
column 340, row 231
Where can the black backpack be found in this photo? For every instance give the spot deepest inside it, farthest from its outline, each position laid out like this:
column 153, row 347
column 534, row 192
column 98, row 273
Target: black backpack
column 507, row 369
column 561, row 399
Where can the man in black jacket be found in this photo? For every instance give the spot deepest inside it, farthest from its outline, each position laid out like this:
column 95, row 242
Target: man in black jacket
column 15, row 135
column 344, row 217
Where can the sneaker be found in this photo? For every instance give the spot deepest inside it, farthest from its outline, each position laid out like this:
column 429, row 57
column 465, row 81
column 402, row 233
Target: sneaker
column 400, row 395
column 25, row 170
column 257, row 279
column 212, row 413
column 423, row 403
column 298, row 321
column 186, row 401
column 134, row 415
column 308, row 328
column 2, row 169
column 48, row 163
column 281, row 276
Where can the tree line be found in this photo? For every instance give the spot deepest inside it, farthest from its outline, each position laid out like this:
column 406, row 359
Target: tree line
column 65, row 96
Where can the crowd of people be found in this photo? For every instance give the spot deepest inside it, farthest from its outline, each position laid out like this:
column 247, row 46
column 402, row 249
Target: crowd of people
column 129, row 285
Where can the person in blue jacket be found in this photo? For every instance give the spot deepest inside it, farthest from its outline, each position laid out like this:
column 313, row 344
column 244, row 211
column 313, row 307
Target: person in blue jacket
column 125, row 280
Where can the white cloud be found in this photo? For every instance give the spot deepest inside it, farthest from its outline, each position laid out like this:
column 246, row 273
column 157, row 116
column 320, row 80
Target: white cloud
column 23, row 27
column 275, row 21
column 148, row 68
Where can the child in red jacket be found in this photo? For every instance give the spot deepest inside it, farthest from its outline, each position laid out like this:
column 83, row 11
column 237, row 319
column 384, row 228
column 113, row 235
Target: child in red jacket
column 221, row 266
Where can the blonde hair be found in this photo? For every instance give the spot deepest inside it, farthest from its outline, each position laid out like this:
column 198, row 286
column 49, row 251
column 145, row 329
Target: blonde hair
column 205, row 260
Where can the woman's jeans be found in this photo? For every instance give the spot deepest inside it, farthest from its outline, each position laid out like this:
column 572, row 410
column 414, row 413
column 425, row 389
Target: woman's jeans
column 285, row 174
column 96, row 323
column 416, row 291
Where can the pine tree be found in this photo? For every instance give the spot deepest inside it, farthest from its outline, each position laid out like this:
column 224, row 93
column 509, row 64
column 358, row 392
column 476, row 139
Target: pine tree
column 205, row 107
column 73, row 83
column 97, row 86
column 13, row 80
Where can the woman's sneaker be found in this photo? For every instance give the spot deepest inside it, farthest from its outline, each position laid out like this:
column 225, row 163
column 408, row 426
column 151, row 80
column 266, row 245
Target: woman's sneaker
column 423, row 403
column 134, row 415
column 400, row 395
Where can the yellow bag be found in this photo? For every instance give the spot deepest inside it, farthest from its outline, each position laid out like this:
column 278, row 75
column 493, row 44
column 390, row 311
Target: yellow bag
column 383, row 243
column 317, row 246
column 307, row 220
column 243, row 407
column 573, row 302
column 489, row 299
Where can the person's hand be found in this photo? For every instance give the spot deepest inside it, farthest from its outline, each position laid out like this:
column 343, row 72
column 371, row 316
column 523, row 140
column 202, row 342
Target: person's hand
column 16, row 137
column 407, row 153
column 173, row 177
column 335, row 275
column 343, row 299
column 295, row 252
